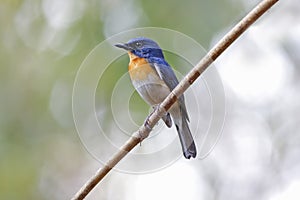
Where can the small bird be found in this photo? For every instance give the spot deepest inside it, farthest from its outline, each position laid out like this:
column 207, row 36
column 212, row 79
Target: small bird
column 154, row 79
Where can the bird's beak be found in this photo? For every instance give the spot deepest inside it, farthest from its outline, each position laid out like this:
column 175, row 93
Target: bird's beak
column 124, row 46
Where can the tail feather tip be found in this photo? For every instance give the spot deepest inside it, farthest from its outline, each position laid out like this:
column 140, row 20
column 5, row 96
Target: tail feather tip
column 188, row 154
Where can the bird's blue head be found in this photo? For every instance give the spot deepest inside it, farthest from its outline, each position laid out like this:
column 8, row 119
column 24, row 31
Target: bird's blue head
column 142, row 47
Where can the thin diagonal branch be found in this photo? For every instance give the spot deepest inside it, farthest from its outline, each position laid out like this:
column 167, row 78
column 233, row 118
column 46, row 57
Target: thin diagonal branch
column 144, row 131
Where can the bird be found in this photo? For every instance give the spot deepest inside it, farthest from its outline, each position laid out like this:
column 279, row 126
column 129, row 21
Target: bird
column 154, row 79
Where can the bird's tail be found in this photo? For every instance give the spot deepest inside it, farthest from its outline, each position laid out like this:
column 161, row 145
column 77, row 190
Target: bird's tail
column 186, row 139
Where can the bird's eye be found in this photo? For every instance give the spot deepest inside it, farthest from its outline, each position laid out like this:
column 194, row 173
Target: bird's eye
column 138, row 44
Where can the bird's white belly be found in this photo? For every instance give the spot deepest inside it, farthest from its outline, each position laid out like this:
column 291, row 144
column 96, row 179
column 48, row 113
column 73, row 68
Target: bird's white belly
column 153, row 90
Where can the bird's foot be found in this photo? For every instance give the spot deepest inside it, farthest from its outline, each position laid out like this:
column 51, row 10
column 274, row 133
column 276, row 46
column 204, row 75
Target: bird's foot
column 147, row 123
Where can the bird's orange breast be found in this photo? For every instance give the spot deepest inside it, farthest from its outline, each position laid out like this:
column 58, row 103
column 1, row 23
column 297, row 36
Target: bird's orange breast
column 139, row 68
column 146, row 80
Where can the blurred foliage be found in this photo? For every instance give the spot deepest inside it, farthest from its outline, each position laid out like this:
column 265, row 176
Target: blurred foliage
column 43, row 43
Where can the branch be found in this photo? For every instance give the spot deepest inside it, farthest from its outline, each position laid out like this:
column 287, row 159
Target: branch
column 188, row 80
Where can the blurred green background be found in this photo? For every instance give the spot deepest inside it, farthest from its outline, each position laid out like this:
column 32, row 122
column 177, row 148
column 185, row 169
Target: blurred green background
column 43, row 43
